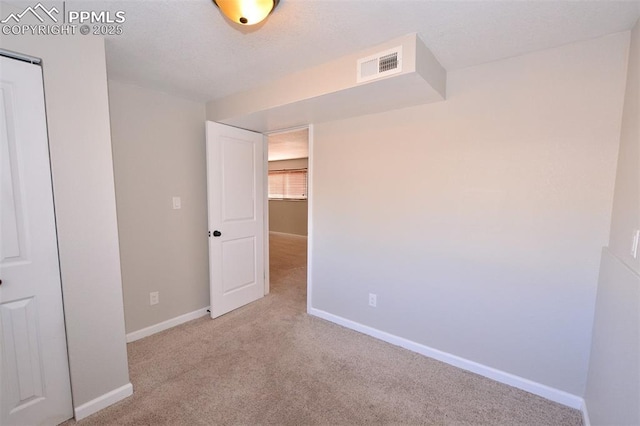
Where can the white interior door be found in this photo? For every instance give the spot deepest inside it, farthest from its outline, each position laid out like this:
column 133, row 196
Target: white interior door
column 34, row 369
column 236, row 194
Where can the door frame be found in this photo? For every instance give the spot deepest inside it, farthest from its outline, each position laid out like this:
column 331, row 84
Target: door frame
column 265, row 211
column 310, row 137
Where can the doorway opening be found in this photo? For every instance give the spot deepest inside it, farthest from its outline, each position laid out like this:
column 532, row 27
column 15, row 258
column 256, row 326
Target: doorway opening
column 288, row 206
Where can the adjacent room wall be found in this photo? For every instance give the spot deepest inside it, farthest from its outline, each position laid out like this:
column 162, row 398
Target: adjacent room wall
column 288, row 216
column 75, row 83
column 159, row 153
column 478, row 221
column 613, row 388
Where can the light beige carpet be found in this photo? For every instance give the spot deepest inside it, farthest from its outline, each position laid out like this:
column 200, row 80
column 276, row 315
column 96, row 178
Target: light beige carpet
column 271, row 363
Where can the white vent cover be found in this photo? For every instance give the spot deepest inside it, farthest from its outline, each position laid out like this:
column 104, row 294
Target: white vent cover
column 380, row 65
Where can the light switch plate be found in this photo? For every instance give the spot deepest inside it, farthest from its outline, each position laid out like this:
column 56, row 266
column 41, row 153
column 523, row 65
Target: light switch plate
column 177, row 203
column 634, row 245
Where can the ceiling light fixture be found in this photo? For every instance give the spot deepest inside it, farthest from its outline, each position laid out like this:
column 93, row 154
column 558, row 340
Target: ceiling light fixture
column 246, row 12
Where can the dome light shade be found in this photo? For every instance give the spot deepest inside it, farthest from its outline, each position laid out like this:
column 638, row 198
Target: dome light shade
column 246, row 12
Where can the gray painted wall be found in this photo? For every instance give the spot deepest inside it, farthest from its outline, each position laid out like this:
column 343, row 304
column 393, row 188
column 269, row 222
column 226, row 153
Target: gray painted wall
column 289, row 217
column 613, row 388
column 159, row 153
column 478, row 221
column 75, row 82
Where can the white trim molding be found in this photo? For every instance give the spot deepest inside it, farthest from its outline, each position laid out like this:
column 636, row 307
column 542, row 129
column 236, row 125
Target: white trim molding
column 535, row 388
column 103, row 401
column 165, row 325
column 310, row 203
column 286, row 234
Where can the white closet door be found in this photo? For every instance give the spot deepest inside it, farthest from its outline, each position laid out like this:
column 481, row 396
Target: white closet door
column 34, row 372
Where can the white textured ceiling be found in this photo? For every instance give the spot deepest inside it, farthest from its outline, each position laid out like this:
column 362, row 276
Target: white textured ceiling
column 289, row 145
column 187, row 48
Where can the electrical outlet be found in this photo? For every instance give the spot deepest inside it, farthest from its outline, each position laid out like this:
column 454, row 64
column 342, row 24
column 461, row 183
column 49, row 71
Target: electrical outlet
column 373, row 300
column 154, row 298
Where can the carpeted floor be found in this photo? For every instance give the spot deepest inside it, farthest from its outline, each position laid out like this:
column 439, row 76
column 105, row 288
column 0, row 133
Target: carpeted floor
column 271, row 363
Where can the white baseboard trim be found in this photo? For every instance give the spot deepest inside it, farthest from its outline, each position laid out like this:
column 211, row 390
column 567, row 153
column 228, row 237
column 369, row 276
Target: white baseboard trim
column 165, row 325
column 103, row 401
column 535, row 388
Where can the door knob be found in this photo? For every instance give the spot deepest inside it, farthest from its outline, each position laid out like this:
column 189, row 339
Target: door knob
column 217, row 233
